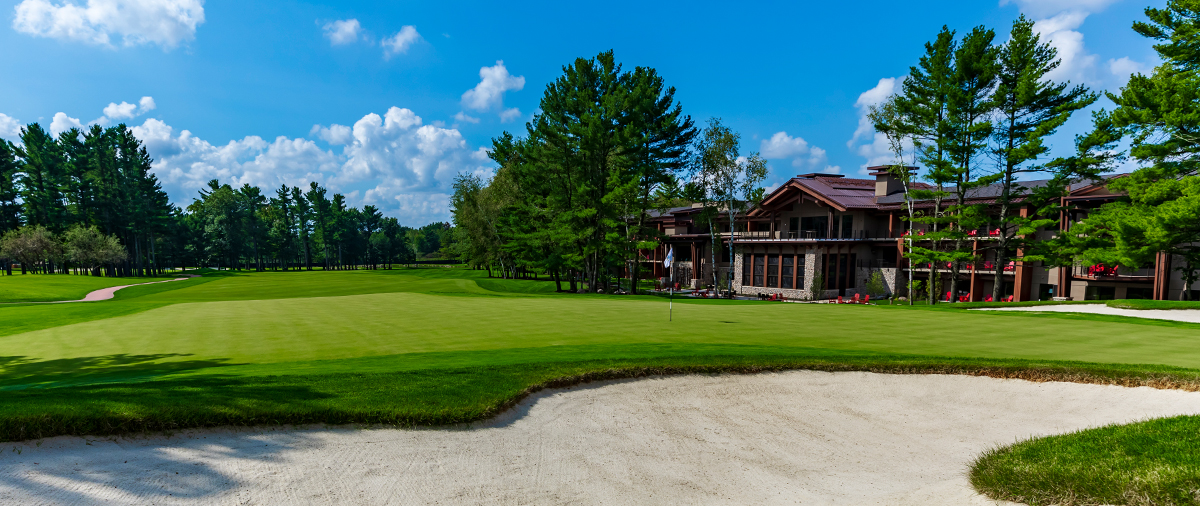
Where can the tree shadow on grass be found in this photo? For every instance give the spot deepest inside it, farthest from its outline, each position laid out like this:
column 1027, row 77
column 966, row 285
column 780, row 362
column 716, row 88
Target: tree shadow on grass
column 19, row 372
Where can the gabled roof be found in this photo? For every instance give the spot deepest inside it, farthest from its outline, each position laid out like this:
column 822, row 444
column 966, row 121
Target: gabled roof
column 842, row 193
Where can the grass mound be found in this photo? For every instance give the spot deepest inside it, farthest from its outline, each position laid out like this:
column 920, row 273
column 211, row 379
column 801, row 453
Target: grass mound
column 442, row 388
column 1153, row 304
column 1155, row 462
column 56, row 287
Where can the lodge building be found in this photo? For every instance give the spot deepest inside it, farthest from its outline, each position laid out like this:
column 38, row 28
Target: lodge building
column 839, row 231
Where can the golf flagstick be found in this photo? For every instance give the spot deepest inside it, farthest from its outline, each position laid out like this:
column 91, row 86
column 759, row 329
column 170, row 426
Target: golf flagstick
column 671, row 284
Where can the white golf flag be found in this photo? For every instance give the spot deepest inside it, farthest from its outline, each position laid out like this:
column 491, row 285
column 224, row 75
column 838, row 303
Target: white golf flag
column 670, row 257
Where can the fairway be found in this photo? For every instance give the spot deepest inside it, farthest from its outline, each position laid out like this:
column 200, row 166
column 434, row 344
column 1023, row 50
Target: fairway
column 266, row 318
column 444, row 345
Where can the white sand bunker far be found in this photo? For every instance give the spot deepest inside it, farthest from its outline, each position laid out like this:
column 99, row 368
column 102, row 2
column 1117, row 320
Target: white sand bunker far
column 788, row 438
column 1179, row 315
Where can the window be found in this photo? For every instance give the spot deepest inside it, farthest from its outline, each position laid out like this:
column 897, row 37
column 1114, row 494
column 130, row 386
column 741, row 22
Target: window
column 1139, row 293
column 1100, row 293
column 814, row 227
column 785, row 275
column 747, row 261
column 793, row 228
column 773, row 271
column 800, row 272
column 847, row 227
column 758, row 270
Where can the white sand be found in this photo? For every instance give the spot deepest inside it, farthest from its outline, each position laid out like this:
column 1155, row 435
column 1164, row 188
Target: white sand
column 789, row 438
column 1181, row 315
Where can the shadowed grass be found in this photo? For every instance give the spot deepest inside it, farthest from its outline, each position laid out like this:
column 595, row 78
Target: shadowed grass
column 383, row 393
column 1155, row 462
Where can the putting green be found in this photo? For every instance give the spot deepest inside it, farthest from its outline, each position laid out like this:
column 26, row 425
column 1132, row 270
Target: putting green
column 266, row 318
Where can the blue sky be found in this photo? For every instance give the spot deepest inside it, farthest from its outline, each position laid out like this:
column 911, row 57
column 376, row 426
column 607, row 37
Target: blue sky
column 387, row 101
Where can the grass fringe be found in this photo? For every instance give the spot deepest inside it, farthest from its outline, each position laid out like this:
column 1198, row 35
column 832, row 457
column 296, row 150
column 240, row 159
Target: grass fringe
column 100, row 422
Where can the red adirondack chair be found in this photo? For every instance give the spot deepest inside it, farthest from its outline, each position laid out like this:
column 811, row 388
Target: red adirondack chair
column 867, row 300
column 839, row 300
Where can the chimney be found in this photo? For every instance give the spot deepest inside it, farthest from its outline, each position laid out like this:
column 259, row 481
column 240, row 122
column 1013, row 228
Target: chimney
column 886, row 183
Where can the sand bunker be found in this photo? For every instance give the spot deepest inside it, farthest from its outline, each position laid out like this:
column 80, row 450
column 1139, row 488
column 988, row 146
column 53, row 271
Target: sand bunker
column 788, row 438
column 1180, row 315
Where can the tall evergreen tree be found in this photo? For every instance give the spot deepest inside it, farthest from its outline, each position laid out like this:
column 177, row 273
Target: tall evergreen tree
column 1029, row 108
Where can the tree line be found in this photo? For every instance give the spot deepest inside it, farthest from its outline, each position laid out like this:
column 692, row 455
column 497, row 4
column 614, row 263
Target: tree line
column 977, row 113
column 574, row 192
column 87, row 201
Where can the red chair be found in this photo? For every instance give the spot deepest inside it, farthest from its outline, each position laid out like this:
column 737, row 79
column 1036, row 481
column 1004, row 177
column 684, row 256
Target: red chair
column 854, row 300
column 1008, row 299
column 948, row 299
column 867, row 300
column 839, row 300
column 987, row 299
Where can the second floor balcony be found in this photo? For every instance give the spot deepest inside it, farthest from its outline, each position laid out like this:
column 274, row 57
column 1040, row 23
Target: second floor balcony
column 809, row 235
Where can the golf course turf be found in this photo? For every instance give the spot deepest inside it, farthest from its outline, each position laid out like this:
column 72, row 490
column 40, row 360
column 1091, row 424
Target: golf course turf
column 438, row 345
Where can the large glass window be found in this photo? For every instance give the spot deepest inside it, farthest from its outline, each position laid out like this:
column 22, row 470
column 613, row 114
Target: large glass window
column 785, row 275
column 847, row 227
column 800, row 272
column 747, row 261
column 773, row 270
column 759, row 262
column 814, row 227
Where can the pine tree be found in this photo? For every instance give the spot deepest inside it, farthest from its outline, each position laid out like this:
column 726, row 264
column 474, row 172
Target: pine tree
column 1029, row 109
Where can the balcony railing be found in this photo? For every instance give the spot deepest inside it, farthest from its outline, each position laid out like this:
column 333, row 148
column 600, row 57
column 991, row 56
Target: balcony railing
column 1101, row 271
column 808, row 235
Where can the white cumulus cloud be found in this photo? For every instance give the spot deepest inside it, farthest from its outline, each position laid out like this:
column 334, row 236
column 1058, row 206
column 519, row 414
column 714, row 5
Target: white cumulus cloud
column 126, row 110
column 341, row 32
column 488, row 95
column 866, row 142
column 166, row 23
column 400, row 42
column 61, row 123
column 393, row 161
column 509, row 115
column 1060, row 32
column 10, row 128
column 465, row 118
column 1123, row 68
column 782, row 146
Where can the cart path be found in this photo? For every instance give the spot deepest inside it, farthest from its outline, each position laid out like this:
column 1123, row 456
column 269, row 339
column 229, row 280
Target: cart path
column 108, row 293
column 1179, row 315
column 799, row 437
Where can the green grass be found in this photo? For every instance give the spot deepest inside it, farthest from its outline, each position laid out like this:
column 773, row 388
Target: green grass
column 1153, row 304
column 54, row 287
column 1156, row 462
column 436, row 345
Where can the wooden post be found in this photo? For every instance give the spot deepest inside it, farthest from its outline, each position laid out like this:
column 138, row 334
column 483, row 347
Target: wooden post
column 1022, row 273
column 1162, row 276
column 976, row 289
